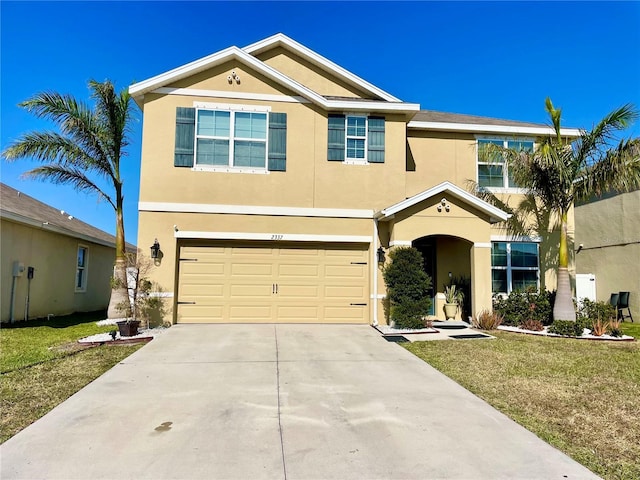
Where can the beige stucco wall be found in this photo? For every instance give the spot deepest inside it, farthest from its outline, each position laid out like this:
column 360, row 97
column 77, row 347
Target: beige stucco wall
column 308, row 74
column 436, row 157
column 54, row 258
column 609, row 229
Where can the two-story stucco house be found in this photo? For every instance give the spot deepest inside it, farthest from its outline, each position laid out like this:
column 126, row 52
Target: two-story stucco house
column 274, row 179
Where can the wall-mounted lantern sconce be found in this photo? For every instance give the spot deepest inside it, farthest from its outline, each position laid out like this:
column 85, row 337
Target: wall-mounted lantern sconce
column 155, row 249
column 381, row 257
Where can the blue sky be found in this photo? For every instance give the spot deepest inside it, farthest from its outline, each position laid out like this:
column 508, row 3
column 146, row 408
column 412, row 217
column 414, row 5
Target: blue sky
column 492, row 59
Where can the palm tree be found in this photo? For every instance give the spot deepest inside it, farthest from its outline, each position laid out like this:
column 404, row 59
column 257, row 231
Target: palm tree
column 560, row 172
column 87, row 149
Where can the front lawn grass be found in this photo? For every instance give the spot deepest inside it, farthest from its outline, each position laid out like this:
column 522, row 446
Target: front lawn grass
column 42, row 365
column 28, row 343
column 580, row 396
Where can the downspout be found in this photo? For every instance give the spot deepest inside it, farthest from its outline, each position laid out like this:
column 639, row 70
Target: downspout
column 374, row 271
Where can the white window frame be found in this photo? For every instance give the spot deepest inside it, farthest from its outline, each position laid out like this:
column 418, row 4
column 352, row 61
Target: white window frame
column 84, row 268
column 505, row 168
column 509, row 268
column 232, row 109
column 353, row 160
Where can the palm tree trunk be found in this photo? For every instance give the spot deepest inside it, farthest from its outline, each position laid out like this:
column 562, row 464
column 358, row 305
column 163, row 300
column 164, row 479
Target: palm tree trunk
column 119, row 306
column 563, row 308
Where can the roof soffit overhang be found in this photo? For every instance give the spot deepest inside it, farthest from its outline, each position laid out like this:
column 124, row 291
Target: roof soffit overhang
column 138, row 90
column 495, row 214
column 490, row 129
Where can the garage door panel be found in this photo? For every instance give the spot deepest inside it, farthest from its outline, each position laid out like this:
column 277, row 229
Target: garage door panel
column 251, row 252
column 256, row 283
column 311, row 292
column 250, row 313
column 345, row 291
column 202, row 290
column 341, row 313
column 298, row 313
column 298, row 271
column 345, row 271
column 252, row 269
column 287, row 253
column 252, row 291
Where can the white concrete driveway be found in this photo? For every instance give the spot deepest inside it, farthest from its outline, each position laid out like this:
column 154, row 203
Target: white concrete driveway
column 277, row 402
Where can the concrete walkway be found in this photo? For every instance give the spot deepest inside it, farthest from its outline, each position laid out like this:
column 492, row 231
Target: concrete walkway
column 277, row 402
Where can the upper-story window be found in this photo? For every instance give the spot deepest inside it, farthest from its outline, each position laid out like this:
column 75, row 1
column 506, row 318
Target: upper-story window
column 231, row 138
column 493, row 172
column 356, row 138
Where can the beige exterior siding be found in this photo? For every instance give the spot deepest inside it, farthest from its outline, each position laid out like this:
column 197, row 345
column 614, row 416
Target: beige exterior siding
column 609, row 229
column 54, row 257
column 309, row 75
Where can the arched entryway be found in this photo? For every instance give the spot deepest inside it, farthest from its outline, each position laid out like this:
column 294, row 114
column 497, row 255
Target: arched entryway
column 447, row 260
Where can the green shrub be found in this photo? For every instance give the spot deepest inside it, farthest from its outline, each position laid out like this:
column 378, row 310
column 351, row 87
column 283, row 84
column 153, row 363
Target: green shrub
column 518, row 307
column 566, row 328
column 597, row 310
column 407, row 287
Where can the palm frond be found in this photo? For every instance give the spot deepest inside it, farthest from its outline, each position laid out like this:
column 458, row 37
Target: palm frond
column 617, row 169
column 604, row 133
column 58, row 174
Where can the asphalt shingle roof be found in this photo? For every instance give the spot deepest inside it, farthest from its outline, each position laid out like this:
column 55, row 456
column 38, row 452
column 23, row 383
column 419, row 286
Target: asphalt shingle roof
column 444, row 117
column 15, row 202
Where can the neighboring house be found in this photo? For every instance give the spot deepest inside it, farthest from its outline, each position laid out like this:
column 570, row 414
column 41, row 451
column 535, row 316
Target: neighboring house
column 608, row 228
column 273, row 177
column 51, row 262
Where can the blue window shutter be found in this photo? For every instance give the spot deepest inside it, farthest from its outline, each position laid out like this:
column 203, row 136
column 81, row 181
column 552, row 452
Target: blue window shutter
column 375, row 153
column 336, row 138
column 185, row 135
column 277, row 155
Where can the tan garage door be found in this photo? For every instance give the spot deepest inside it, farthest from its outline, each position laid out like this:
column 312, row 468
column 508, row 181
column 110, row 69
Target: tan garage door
column 262, row 283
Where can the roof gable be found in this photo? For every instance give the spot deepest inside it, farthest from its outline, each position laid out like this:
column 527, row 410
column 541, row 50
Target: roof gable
column 159, row 82
column 494, row 213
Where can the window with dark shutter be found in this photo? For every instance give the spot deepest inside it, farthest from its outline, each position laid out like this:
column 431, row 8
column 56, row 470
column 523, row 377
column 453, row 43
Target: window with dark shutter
column 185, row 136
column 336, row 138
column 375, row 152
column 277, row 155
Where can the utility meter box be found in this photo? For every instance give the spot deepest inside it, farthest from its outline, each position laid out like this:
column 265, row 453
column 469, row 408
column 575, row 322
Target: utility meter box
column 18, row 268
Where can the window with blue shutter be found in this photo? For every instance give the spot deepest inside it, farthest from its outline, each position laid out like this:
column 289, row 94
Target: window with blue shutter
column 277, row 142
column 375, row 147
column 356, row 139
column 336, row 138
column 221, row 139
column 185, row 136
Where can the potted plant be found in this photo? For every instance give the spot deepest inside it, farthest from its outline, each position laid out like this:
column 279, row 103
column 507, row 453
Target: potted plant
column 453, row 298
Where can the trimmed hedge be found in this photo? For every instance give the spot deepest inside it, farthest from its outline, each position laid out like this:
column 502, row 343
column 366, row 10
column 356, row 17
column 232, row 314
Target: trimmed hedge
column 407, row 287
